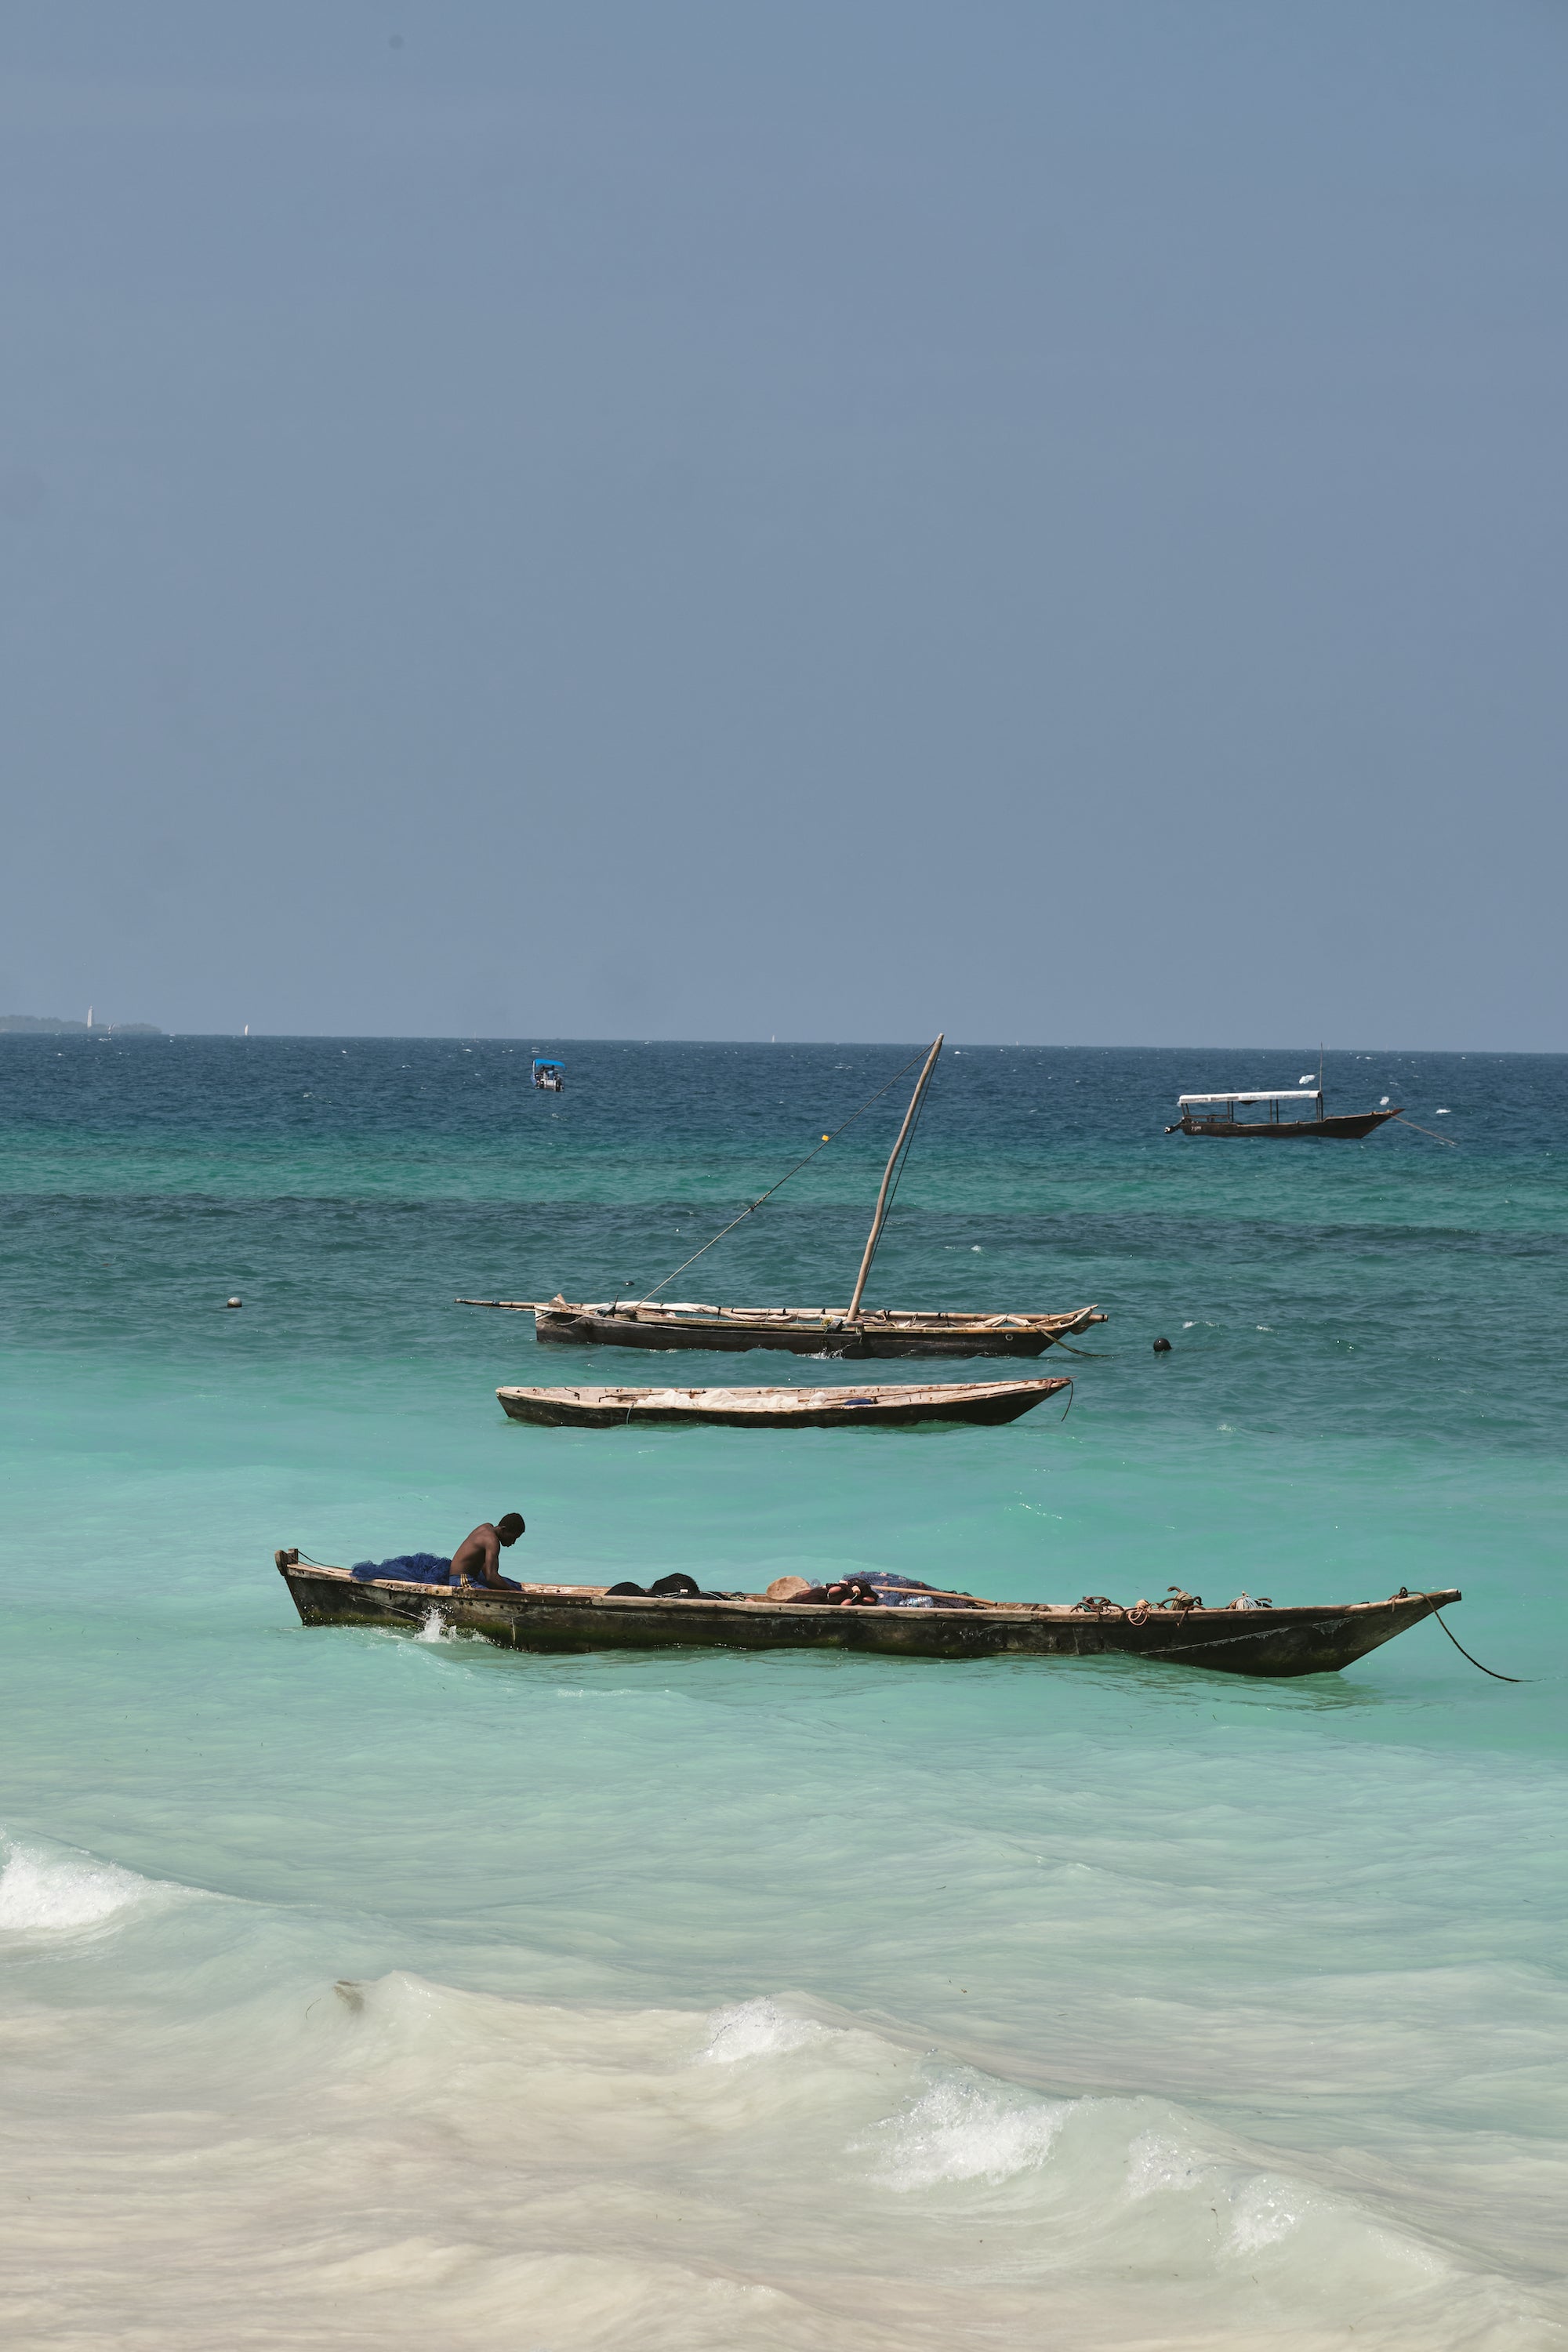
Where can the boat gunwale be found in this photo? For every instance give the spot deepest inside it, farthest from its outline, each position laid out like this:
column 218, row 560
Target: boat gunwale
column 595, row 1596
column 890, row 1393
column 805, row 1318
column 1333, row 1127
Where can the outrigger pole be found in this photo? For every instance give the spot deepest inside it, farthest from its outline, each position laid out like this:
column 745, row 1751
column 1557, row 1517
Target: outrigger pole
column 875, row 1234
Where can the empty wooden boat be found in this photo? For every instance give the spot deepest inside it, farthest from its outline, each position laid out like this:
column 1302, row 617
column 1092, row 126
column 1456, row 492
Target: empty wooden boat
column 850, row 1331
column 902, row 1405
column 1252, row 1640
column 803, row 1330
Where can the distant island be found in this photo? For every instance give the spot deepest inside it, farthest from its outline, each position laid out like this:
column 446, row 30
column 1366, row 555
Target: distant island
column 43, row 1024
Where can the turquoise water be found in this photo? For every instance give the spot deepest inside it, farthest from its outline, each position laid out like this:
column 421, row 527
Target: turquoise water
column 363, row 1988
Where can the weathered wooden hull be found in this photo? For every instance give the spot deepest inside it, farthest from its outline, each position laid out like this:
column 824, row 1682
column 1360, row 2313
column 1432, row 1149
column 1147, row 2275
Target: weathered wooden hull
column 1272, row 1643
column 908, row 1406
column 1347, row 1129
column 814, row 1336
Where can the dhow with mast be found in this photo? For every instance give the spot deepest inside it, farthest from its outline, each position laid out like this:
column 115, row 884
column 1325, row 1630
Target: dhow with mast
column 840, row 1332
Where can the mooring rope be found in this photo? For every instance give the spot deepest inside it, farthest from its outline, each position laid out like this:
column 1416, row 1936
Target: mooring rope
column 1435, row 1609
column 757, row 1203
column 1449, row 1144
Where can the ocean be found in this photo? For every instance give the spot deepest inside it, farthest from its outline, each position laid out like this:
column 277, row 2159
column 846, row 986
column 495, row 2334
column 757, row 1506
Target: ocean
column 360, row 1988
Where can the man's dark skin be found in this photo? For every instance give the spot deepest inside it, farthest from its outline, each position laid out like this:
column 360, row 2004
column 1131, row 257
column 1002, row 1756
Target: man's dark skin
column 475, row 1559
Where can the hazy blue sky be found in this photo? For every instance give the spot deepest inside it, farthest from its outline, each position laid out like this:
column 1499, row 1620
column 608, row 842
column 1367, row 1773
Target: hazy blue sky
column 836, row 521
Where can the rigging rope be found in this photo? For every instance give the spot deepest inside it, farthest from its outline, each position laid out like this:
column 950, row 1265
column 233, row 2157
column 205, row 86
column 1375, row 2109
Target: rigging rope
column 783, row 1179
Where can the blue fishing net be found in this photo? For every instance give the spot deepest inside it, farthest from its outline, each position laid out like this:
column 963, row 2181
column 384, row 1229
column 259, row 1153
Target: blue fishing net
column 412, row 1567
column 909, row 1592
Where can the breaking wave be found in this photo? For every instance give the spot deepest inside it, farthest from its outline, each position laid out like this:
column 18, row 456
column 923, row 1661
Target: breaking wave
column 55, row 1891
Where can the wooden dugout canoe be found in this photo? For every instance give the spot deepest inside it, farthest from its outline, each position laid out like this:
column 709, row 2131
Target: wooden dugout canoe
column 853, row 1330
column 545, row 1617
column 803, row 1330
column 901, row 1405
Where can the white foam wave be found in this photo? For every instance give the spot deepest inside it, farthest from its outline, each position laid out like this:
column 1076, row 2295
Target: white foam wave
column 1155, row 2162
column 756, row 2029
column 59, row 1892
column 1262, row 2213
column 964, row 2128
column 425, row 2165
column 1257, row 2209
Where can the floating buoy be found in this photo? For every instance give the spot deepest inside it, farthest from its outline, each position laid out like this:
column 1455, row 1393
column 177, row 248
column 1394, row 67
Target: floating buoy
column 234, row 1302
column 1161, row 1347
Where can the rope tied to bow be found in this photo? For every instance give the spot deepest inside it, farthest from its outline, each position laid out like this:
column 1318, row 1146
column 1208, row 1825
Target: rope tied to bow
column 1434, row 1609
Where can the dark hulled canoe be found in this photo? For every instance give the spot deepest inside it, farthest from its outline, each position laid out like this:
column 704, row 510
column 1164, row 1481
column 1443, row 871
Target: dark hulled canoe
column 1215, row 1114
column 1267, row 1642
column 1346, row 1126
column 803, row 1331
column 903, row 1405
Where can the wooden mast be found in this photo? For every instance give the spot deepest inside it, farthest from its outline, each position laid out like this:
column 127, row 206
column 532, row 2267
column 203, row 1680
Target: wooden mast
column 876, row 1233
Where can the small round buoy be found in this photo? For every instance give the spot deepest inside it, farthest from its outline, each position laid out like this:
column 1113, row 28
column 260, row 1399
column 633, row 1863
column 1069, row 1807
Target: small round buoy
column 234, row 1302
column 1161, row 1347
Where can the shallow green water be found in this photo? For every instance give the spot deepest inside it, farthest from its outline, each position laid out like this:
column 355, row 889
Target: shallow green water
column 806, row 2000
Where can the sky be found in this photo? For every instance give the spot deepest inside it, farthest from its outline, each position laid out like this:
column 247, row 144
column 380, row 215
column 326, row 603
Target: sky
column 1040, row 520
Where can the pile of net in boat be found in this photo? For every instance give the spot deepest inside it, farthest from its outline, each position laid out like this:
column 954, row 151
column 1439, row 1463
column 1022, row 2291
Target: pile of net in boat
column 875, row 1590
column 678, row 1587
column 413, row 1566
column 909, row 1592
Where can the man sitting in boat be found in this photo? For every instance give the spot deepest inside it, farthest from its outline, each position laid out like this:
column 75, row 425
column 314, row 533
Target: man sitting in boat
column 475, row 1561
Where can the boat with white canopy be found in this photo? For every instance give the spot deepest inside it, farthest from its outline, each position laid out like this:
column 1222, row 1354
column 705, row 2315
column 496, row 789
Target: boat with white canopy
column 1217, row 1115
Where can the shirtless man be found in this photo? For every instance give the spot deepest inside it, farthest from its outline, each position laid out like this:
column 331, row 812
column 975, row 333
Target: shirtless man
column 475, row 1560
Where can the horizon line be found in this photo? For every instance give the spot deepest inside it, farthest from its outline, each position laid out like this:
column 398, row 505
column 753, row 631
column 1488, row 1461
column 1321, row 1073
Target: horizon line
column 151, row 1034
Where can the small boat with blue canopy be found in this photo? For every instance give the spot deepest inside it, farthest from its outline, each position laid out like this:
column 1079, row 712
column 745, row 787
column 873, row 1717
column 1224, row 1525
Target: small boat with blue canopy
column 548, row 1075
